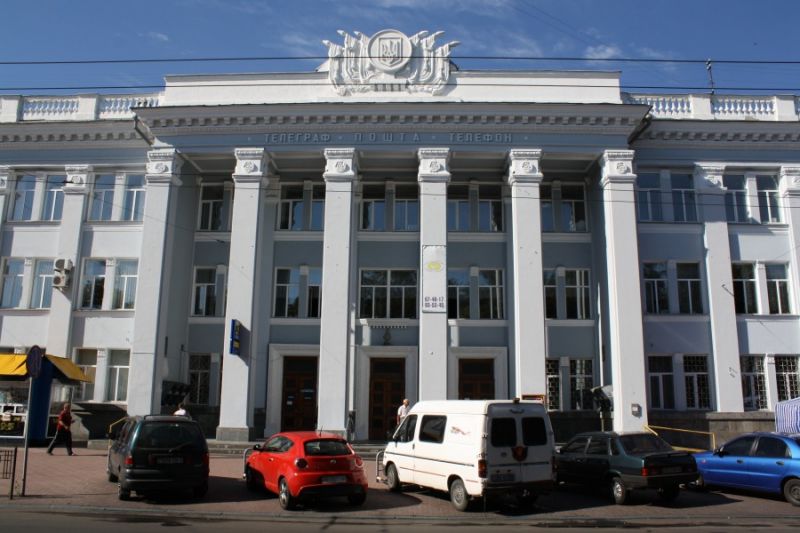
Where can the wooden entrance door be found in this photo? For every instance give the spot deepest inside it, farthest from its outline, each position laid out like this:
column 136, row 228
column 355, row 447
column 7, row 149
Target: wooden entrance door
column 476, row 379
column 387, row 386
column 299, row 408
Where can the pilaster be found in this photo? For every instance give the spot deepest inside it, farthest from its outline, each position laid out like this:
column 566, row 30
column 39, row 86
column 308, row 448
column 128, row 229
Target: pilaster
column 433, row 177
column 6, row 181
column 626, row 339
column 527, row 322
column 790, row 204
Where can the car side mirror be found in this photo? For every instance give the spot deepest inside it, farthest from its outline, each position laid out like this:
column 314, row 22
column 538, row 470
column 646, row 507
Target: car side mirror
column 719, row 451
column 257, row 448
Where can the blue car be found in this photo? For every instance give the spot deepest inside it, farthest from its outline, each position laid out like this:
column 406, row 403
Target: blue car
column 767, row 462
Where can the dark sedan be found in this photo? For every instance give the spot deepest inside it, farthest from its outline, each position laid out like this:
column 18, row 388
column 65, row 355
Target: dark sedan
column 624, row 462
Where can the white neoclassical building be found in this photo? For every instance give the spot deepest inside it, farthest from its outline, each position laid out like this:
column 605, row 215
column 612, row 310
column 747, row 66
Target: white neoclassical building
column 300, row 246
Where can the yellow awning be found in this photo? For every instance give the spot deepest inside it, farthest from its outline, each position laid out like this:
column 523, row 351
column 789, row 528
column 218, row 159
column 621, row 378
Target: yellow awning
column 68, row 368
column 14, row 365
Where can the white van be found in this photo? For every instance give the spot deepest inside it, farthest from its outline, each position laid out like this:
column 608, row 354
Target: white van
column 472, row 448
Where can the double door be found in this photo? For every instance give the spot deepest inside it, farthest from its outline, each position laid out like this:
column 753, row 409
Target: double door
column 387, row 385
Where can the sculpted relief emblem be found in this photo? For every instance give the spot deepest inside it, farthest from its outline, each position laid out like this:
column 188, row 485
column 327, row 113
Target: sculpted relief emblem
column 389, row 61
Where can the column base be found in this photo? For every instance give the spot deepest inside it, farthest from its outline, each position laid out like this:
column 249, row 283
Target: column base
column 237, row 434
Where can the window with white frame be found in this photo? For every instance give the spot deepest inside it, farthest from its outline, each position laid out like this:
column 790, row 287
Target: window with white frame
column 117, row 384
column 490, row 208
column 581, row 381
column 648, row 197
column 491, row 301
column 768, row 205
column 205, row 292
column 744, row 288
column 458, row 287
column 546, row 207
column 683, row 198
column 199, row 378
column 735, row 198
column 133, row 207
column 93, row 283
column 690, row 299
column 54, row 197
column 388, row 294
column 86, row 360
column 458, row 210
column 553, row 373
column 695, row 375
column 550, row 294
column 125, row 284
column 660, row 377
column 573, row 208
column 42, row 284
column 373, row 208
column 406, row 208
column 317, row 208
column 287, row 292
column 656, row 294
column 212, row 200
column 102, row 198
column 754, row 383
column 576, row 289
column 23, row 198
column 314, row 292
column 292, row 212
column 778, row 289
column 13, row 271
column 786, row 373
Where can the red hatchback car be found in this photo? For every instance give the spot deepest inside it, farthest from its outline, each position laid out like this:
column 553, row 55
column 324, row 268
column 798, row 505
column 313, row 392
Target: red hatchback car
column 301, row 465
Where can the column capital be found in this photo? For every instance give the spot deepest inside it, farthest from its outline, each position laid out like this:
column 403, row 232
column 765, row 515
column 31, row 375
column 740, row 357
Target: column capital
column 708, row 177
column 77, row 178
column 341, row 164
column 789, row 180
column 252, row 166
column 6, row 174
column 163, row 166
column 617, row 167
column 434, row 164
column 524, row 166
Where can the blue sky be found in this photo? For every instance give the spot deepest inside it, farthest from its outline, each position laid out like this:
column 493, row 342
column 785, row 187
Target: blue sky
column 686, row 29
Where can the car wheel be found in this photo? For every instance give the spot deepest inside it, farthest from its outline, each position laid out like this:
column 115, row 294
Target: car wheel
column 458, row 495
column 123, row 493
column 111, row 475
column 357, row 499
column 619, row 491
column 791, row 491
column 285, row 498
column 200, row 490
column 251, row 479
column 392, row 479
column 669, row 494
column 698, row 484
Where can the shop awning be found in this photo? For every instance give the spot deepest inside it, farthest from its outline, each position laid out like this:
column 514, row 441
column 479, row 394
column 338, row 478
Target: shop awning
column 13, row 365
column 68, row 368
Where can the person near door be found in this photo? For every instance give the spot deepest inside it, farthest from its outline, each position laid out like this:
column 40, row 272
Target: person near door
column 402, row 411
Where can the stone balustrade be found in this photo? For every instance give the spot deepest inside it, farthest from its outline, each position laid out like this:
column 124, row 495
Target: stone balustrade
column 15, row 108
column 718, row 107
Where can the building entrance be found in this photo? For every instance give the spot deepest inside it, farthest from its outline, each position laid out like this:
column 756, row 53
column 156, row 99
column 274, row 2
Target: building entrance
column 476, row 379
column 299, row 407
column 387, row 385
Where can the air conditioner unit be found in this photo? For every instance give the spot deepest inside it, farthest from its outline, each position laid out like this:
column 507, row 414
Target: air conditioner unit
column 62, row 264
column 61, row 279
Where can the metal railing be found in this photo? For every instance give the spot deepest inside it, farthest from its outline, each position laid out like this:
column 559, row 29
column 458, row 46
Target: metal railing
column 8, row 467
column 709, row 434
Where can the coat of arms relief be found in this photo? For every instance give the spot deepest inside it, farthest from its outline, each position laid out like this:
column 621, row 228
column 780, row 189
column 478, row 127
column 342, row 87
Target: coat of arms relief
column 389, row 61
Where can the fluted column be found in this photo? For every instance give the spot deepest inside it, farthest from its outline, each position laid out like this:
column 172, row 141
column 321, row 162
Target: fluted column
column 528, row 333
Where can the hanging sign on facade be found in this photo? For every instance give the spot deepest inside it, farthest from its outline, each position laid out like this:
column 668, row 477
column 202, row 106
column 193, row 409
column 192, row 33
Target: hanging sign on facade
column 236, row 337
column 434, row 279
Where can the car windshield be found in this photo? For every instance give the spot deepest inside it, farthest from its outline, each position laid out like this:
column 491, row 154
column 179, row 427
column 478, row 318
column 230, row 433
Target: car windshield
column 644, row 443
column 326, row 447
column 169, row 435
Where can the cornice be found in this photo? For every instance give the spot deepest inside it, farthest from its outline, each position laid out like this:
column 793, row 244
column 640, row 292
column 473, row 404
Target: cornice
column 69, row 133
column 736, row 134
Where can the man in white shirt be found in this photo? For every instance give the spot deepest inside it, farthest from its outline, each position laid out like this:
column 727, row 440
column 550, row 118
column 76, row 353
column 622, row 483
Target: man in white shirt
column 402, row 411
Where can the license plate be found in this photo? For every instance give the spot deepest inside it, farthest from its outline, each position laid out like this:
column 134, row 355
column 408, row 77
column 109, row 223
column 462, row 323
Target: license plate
column 169, row 460
column 672, row 470
column 502, row 477
column 334, row 479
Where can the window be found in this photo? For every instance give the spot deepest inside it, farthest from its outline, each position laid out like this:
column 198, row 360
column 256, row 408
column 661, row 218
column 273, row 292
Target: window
column 133, row 208
column 778, row 289
column 576, row 445
column 550, row 294
column 655, row 288
column 690, row 301
column 546, row 205
column 373, row 208
column 458, row 218
column 54, row 198
column 573, row 208
column 102, row 197
column 405, row 433
column 12, row 282
column 735, row 198
column 23, row 198
column 490, row 208
column 211, row 203
column 683, row 199
column 534, row 432
column 768, row 199
column 740, row 447
column 695, row 371
column 754, row 387
column 662, row 391
column 490, row 294
column 580, row 383
column 205, row 292
column 744, row 288
column 125, row 284
column 597, row 446
column 553, row 371
column 287, row 292
column 199, row 378
column 118, row 364
column 432, row 428
column 787, row 376
column 42, row 284
column 772, row 447
column 291, row 213
column 93, row 283
column 314, row 302
column 576, row 287
column 406, row 208
column 503, row 432
column 87, row 362
column 317, row 208
column 388, row 294
column 458, row 281
column 649, row 197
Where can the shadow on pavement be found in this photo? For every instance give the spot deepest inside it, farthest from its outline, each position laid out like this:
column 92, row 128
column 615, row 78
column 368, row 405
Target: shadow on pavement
column 582, row 497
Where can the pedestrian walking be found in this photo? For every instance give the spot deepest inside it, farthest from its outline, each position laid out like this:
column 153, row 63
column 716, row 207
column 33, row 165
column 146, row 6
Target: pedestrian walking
column 63, row 432
column 402, row 411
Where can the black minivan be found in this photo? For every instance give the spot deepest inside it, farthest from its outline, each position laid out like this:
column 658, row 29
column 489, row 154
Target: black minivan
column 153, row 454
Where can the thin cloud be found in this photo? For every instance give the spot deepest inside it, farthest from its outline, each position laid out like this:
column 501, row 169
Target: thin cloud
column 603, row 51
column 156, row 36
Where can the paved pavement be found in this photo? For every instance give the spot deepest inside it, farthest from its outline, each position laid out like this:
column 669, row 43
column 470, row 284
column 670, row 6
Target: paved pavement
column 79, row 484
